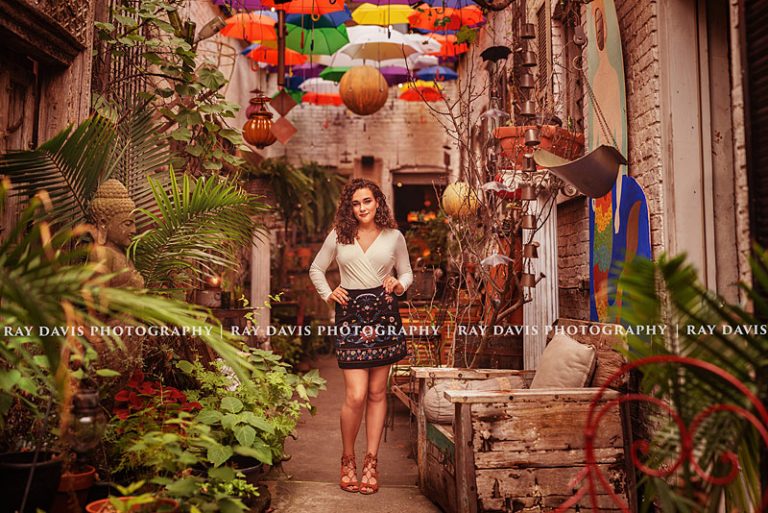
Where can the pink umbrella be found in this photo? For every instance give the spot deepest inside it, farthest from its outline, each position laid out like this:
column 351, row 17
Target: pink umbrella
column 395, row 74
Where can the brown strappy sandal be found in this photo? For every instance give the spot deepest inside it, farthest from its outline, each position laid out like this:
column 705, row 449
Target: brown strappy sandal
column 369, row 482
column 349, row 471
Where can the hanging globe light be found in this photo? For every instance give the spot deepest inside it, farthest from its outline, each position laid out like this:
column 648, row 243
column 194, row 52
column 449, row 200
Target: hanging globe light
column 258, row 129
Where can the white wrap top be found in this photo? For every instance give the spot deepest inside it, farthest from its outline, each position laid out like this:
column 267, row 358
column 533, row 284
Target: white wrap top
column 362, row 269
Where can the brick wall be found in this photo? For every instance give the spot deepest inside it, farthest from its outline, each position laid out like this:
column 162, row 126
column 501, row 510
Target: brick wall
column 573, row 258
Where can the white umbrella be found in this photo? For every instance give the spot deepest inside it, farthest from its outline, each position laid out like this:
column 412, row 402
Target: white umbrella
column 420, row 61
column 424, row 44
column 373, row 43
column 344, row 60
column 320, row 86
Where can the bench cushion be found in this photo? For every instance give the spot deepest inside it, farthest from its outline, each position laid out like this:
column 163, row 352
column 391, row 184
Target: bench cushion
column 565, row 363
column 440, row 410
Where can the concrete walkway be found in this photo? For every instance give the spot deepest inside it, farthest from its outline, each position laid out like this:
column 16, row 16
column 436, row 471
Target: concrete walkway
column 310, row 482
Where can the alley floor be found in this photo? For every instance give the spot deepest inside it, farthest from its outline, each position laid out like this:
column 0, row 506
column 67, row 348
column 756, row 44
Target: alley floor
column 310, row 481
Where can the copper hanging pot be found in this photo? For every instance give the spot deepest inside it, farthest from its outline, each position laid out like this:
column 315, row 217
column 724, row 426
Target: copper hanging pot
column 526, row 81
column 258, row 129
column 528, row 280
column 527, row 192
column 528, row 31
column 531, row 250
column 528, row 222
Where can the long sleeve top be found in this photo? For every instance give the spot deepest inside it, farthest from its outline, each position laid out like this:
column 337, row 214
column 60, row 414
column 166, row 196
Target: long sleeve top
column 362, row 269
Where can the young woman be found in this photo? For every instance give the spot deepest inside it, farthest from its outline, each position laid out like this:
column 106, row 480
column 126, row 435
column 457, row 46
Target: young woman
column 367, row 245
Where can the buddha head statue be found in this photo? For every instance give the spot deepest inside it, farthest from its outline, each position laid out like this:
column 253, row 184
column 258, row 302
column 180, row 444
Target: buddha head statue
column 112, row 211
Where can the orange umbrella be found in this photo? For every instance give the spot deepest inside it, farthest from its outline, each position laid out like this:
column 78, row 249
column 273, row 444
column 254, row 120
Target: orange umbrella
column 269, row 56
column 251, row 27
column 421, row 91
column 314, row 7
column 448, row 46
column 322, row 99
column 436, row 19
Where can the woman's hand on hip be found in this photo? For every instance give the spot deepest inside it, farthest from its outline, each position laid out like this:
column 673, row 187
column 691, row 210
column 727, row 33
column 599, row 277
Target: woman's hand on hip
column 391, row 284
column 339, row 295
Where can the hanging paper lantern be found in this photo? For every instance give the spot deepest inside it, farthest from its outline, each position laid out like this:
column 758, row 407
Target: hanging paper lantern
column 363, row 90
column 258, row 129
column 459, row 199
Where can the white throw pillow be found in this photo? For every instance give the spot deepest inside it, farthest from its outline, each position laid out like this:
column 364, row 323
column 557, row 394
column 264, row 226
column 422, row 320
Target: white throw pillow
column 440, row 410
column 565, row 363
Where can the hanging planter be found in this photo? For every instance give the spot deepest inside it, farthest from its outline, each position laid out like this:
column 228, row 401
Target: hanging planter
column 560, row 141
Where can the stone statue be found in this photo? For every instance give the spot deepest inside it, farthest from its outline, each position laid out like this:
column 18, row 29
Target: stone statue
column 112, row 211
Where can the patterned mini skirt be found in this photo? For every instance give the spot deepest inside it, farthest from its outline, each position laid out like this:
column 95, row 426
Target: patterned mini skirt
column 369, row 330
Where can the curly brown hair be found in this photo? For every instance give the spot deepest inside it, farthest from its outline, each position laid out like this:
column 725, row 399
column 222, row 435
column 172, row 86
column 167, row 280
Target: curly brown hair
column 346, row 223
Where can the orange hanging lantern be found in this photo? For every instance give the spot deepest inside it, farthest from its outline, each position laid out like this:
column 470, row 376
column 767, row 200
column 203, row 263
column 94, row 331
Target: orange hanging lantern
column 364, row 90
column 258, row 129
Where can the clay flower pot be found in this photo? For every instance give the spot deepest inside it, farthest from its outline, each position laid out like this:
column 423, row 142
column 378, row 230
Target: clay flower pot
column 159, row 506
column 73, row 490
column 563, row 143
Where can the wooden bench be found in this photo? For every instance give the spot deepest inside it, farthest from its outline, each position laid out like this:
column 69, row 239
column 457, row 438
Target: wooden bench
column 514, row 449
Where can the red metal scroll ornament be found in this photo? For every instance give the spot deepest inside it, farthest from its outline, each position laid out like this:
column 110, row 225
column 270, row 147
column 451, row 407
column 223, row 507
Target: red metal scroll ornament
column 597, row 484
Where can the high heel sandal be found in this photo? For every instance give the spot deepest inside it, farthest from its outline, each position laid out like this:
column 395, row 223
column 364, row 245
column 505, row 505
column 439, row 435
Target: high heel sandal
column 349, row 470
column 370, row 474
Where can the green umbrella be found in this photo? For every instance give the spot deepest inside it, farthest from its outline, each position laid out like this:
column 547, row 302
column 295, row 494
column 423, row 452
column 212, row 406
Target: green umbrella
column 317, row 41
column 334, row 73
column 296, row 95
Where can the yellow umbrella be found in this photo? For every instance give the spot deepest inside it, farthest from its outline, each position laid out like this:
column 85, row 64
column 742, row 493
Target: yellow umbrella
column 383, row 15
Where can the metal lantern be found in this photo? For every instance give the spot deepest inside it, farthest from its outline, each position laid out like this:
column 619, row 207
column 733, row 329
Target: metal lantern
column 529, row 59
column 258, row 129
column 527, row 81
column 528, row 31
column 531, row 137
column 528, row 108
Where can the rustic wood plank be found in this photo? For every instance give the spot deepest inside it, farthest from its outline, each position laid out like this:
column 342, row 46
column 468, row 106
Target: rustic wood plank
column 500, row 459
column 544, row 394
column 401, row 393
column 421, row 433
column 460, row 373
column 466, row 491
column 546, row 504
column 440, row 481
column 539, row 483
column 547, row 425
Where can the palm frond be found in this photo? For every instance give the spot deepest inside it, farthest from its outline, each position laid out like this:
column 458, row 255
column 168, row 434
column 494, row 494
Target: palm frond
column 703, row 326
column 198, row 226
column 69, row 167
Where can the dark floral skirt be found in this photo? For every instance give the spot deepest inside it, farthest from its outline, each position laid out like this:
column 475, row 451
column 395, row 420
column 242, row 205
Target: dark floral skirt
column 369, row 330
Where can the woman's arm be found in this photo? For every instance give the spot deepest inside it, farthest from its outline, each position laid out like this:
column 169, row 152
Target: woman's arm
column 322, row 261
column 402, row 265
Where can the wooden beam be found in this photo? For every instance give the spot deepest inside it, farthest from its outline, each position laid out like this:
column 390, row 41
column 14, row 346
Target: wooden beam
column 466, row 487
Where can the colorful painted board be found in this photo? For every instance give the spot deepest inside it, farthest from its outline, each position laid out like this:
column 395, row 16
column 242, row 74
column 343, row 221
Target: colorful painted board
column 619, row 224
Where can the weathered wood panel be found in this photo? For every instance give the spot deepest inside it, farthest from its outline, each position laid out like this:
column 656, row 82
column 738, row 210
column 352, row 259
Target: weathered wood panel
column 439, row 483
column 544, row 486
column 466, row 488
column 437, row 373
column 498, row 459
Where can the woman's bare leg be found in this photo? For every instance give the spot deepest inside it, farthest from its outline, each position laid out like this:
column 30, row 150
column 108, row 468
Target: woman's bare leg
column 356, row 391
column 376, row 410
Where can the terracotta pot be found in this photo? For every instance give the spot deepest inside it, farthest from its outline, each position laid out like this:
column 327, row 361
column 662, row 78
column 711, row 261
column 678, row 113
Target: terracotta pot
column 73, row 489
column 14, row 472
column 160, row 505
column 561, row 142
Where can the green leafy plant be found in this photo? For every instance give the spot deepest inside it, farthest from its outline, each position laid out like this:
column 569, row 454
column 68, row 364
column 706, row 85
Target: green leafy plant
column 184, row 89
column 252, row 417
column 668, row 292
column 196, row 230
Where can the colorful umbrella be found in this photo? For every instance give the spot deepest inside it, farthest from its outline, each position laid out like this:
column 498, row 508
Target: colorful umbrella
column 262, row 53
column 320, row 86
column 250, row 27
column 323, row 41
column 313, row 7
column 334, row 73
column 438, row 19
column 395, row 74
column 383, row 15
column 308, row 69
column 322, row 99
column 453, row 4
column 235, row 5
column 293, row 81
column 330, row 20
column 448, row 46
column 421, row 61
column 391, row 2
column 437, row 74
column 423, row 43
column 296, row 95
column 421, row 91
column 374, row 43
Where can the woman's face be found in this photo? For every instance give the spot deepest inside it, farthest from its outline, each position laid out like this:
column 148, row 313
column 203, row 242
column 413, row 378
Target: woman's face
column 364, row 205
